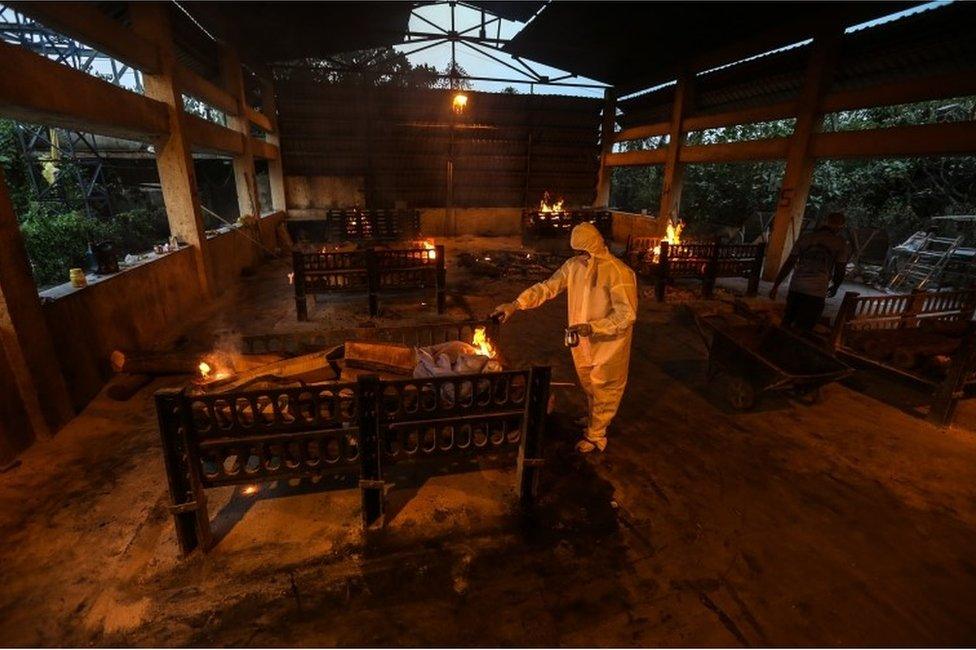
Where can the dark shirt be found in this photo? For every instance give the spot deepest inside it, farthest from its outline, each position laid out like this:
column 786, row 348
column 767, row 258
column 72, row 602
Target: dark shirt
column 820, row 255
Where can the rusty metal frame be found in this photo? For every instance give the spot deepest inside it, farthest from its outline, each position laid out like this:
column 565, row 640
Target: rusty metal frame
column 538, row 225
column 359, row 225
column 370, row 425
column 324, row 430
column 369, row 271
column 703, row 261
column 904, row 313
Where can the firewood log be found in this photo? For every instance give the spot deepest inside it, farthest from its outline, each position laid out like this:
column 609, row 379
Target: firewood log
column 309, row 368
column 181, row 362
column 156, row 363
column 382, row 357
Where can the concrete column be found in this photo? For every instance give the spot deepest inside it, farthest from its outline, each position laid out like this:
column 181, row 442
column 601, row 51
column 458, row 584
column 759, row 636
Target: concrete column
column 27, row 343
column 606, row 147
column 248, row 200
column 276, row 174
column 174, row 160
column 673, row 167
column 798, row 175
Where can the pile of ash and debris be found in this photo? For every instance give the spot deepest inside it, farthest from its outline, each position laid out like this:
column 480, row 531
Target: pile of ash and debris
column 508, row 263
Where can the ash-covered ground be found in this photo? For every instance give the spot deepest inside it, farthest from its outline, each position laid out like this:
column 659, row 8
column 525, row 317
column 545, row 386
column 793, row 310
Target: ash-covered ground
column 849, row 522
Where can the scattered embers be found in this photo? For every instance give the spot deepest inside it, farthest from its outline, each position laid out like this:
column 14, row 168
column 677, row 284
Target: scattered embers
column 522, row 263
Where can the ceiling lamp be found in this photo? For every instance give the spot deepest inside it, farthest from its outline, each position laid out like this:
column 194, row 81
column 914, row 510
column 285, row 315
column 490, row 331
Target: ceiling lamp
column 460, row 103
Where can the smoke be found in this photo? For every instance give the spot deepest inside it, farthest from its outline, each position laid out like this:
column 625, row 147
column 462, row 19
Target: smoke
column 227, row 351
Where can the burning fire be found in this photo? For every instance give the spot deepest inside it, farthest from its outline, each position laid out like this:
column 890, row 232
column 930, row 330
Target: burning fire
column 546, row 207
column 215, row 367
column 673, row 236
column 480, row 341
column 428, row 246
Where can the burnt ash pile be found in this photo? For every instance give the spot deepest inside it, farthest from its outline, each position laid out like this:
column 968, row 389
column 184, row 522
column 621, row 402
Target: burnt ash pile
column 513, row 263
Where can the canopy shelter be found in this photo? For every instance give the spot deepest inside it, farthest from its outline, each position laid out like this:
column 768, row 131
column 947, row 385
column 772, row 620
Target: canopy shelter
column 269, row 32
column 922, row 56
column 676, row 67
column 607, row 40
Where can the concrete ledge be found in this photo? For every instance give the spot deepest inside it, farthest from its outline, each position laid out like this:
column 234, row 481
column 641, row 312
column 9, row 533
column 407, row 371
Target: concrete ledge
column 130, row 309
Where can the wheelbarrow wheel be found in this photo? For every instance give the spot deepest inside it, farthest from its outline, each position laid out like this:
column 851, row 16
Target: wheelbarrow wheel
column 740, row 392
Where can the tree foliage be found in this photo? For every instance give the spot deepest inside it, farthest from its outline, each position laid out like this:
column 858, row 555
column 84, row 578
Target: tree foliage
column 372, row 67
column 57, row 233
column 897, row 194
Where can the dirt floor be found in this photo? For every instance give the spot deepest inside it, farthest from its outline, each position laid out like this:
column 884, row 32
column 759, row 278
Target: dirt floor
column 849, row 522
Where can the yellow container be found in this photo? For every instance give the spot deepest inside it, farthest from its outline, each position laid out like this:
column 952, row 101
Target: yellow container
column 78, row 279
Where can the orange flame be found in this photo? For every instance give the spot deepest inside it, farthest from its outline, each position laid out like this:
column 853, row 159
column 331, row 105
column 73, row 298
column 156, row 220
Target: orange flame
column 546, row 207
column 205, row 370
column 431, row 249
column 673, row 236
column 480, row 341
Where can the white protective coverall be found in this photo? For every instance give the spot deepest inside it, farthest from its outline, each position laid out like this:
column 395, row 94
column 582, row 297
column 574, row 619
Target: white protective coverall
column 602, row 291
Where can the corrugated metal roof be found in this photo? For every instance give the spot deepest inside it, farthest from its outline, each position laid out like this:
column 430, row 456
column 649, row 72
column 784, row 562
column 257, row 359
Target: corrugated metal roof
column 635, row 45
column 286, row 31
column 940, row 40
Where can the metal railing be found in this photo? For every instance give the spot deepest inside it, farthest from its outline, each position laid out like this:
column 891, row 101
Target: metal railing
column 368, row 271
column 702, row 261
column 331, row 432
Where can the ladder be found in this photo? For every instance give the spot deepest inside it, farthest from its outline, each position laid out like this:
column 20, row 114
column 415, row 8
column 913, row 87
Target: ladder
column 925, row 267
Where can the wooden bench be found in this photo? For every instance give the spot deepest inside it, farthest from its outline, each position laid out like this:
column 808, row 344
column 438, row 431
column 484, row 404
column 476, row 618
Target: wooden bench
column 702, row 261
column 370, row 271
column 336, row 432
column 894, row 333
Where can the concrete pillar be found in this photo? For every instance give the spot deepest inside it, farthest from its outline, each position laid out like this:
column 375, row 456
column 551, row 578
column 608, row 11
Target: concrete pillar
column 276, row 175
column 174, row 160
column 27, row 344
column 673, row 167
column 248, row 200
column 606, row 147
column 788, row 219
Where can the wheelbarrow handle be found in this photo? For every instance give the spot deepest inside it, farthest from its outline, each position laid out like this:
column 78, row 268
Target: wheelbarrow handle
column 701, row 326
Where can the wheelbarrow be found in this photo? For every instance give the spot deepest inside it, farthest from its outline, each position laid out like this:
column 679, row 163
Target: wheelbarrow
column 758, row 357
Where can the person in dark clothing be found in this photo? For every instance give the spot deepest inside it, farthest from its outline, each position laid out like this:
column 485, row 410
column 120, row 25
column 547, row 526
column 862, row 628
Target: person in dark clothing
column 818, row 262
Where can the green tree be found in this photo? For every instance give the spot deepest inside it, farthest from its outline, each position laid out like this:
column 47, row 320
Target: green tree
column 57, row 233
column 897, row 194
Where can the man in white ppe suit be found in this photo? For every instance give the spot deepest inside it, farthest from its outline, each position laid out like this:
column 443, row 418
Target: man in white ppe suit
column 602, row 294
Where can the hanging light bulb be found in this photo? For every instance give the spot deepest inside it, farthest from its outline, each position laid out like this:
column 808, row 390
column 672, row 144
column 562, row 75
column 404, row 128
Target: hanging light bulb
column 460, row 102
